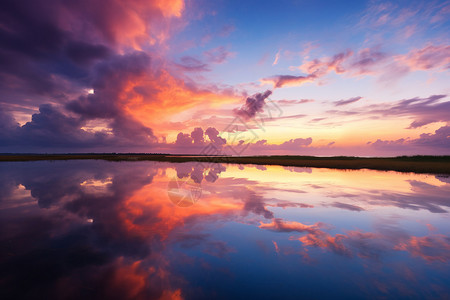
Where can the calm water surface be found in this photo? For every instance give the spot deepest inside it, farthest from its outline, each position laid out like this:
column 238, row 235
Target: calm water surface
column 149, row 230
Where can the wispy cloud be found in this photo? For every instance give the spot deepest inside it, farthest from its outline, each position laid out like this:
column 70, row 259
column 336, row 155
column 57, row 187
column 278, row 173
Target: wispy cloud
column 277, row 57
column 347, row 101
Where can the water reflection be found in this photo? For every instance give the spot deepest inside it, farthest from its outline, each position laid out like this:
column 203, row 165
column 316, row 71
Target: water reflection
column 94, row 229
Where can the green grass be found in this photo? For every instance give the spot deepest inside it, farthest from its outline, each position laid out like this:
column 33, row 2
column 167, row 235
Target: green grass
column 417, row 164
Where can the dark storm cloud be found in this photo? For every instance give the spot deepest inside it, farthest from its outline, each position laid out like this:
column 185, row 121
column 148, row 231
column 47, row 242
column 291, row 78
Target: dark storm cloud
column 52, row 51
column 51, row 129
column 48, row 128
column 38, row 54
column 110, row 79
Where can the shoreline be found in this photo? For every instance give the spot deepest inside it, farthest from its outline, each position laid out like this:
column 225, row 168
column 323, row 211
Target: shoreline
column 415, row 164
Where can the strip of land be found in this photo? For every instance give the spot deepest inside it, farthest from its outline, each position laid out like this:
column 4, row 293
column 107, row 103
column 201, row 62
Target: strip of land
column 416, row 164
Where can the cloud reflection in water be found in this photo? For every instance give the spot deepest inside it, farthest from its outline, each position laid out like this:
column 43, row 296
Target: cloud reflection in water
column 109, row 230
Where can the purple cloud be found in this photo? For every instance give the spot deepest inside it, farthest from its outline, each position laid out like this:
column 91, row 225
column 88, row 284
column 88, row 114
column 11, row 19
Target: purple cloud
column 192, row 64
column 279, row 81
column 423, row 110
column 253, row 105
column 439, row 140
column 217, row 55
column 347, row 101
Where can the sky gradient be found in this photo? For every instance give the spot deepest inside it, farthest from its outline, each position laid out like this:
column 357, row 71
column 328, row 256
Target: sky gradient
column 234, row 77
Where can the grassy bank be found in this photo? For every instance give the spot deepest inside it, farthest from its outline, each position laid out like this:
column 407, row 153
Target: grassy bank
column 417, row 164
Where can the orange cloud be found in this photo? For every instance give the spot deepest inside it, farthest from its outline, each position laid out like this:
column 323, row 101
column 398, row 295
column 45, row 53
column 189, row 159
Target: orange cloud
column 282, row 226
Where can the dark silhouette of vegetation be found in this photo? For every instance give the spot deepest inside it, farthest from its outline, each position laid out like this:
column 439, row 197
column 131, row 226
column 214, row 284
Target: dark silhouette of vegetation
column 417, row 164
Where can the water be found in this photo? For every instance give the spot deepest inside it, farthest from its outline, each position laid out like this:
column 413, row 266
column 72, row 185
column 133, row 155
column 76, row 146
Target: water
column 149, row 230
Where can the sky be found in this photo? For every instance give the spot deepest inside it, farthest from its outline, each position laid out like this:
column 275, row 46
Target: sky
column 367, row 78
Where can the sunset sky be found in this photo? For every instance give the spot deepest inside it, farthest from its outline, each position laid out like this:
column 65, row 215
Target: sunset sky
column 369, row 78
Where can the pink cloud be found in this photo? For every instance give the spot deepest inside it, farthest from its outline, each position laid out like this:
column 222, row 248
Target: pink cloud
column 429, row 57
column 293, row 102
column 217, row 55
column 430, row 248
column 367, row 61
column 279, row 81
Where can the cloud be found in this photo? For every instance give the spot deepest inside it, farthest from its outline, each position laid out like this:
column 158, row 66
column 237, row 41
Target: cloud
column 104, row 47
column 49, row 128
column 280, row 81
column 277, row 57
column 429, row 57
column 279, row 225
column 106, row 241
column 293, row 102
column 217, row 55
column 213, row 135
column 76, row 50
column 299, row 116
column 439, row 140
column 196, row 142
column 253, row 105
column 255, row 204
column 430, row 248
column 347, row 101
column 192, row 64
column 321, row 67
column 367, row 61
column 315, row 69
column 424, row 111
column 110, row 81
column 72, row 37
column 347, row 206
column 315, row 120
column 290, row 146
column 197, row 136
